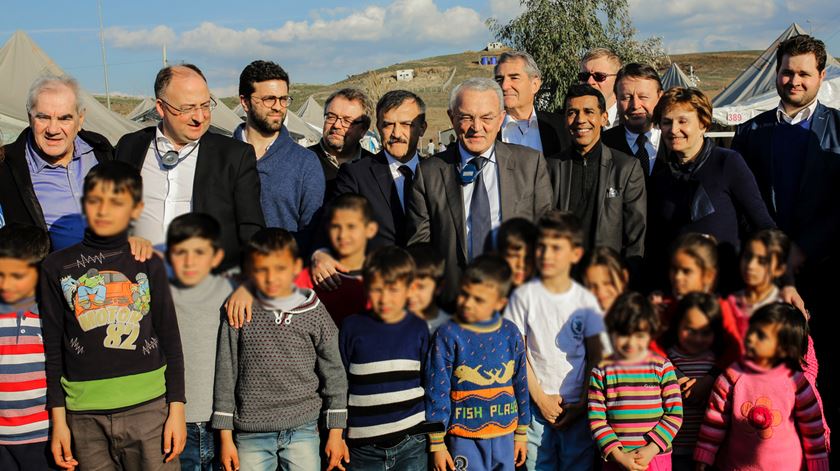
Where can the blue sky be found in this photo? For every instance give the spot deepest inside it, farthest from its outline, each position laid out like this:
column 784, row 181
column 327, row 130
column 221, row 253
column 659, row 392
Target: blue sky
column 323, row 41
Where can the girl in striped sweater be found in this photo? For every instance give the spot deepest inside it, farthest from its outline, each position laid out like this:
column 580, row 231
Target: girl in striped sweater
column 763, row 413
column 635, row 408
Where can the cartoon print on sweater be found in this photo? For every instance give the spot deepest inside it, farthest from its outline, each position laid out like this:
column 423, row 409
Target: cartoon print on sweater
column 762, row 416
column 488, row 377
column 109, row 299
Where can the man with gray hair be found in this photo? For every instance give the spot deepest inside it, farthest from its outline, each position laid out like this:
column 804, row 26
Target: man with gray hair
column 42, row 176
column 520, row 78
column 461, row 196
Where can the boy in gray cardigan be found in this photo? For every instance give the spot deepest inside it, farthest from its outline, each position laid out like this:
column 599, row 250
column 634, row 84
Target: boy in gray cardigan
column 279, row 373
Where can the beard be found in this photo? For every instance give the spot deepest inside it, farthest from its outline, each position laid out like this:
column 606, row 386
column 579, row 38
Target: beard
column 263, row 124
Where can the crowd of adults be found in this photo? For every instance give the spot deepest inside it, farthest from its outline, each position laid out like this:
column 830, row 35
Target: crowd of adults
column 629, row 159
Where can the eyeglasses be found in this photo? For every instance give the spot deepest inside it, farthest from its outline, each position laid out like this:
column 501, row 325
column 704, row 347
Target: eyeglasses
column 467, row 120
column 347, row 121
column 190, row 109
column 269, row 100
column 598, row 76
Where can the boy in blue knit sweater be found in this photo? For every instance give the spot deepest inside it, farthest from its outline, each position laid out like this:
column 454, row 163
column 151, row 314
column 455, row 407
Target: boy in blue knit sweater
column 383, row 352
column 477, row 380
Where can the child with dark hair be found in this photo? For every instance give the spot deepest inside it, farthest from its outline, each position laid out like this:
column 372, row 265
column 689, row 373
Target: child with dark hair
column 24, row 436
column 276, row 375
column 635, row 408
column 515, row 241
column 763, row 413
column 605, row 275
column 384, row 351
column 193, row 248
column 115, row 369
column 477, row 378
column 428, row 279
column 694, row 342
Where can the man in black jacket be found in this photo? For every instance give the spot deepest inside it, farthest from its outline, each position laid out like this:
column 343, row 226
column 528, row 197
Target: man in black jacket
column 186, row 169
column 518, row 75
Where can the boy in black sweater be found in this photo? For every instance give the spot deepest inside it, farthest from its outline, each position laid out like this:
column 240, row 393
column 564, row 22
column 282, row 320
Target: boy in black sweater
column 115, row 370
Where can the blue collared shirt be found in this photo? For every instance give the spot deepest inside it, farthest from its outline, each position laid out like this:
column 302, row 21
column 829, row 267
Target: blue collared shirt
column 59, row 192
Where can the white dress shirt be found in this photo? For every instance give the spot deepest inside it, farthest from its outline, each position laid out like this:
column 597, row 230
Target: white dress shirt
column 399, row 179
column 612, row 116
column 652, row 144
column 167, row 192
column 490, row 176
column 803, row 114
column 525, row 132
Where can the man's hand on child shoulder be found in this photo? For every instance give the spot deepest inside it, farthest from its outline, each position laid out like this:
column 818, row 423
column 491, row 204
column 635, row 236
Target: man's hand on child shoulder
column 336, row 450
column 141, row 248
column 238, row 306
column 443, row 460
column 174, row 431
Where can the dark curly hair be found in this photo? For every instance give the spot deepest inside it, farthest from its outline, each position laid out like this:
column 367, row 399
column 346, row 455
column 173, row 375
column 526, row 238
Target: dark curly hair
column 260, row 71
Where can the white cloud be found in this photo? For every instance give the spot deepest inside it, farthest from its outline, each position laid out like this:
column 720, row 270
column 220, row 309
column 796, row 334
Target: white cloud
column 505, row 10
column 140, row 38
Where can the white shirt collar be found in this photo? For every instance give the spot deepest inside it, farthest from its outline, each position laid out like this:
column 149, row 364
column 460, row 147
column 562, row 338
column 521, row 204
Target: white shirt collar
column 803, row 114
column 164, row 145
column 653, row 136
column 489, row 154
column 394, row 164
column 532, row 120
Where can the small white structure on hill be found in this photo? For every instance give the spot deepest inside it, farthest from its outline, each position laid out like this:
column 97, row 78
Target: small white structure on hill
column 405, row 75
column 495, row 46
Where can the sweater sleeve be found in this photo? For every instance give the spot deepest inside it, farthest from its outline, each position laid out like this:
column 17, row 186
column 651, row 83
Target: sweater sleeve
column 227, row 371
column 716, row 422
column 809, row 424
column 520, row 388
column 331, row 373
column 166, row 328
column 733, row 342
column 669, row 424
column 438, row 386
column 602, row 432
column 51, row 306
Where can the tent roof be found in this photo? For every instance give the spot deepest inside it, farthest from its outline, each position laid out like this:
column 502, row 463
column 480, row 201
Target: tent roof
column 760, row 77
column 311, row 112
column 147, row 104
column 239, row 111
column 21, row 62
column 299, row 128
column 675, row 77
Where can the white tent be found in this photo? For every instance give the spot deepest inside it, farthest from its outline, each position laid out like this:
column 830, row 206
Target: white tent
column 675, row 77
column 312, row 113
column 147, row 104
column 239, row 111
column 299, row 129
column 754, row 91
column 21, row 62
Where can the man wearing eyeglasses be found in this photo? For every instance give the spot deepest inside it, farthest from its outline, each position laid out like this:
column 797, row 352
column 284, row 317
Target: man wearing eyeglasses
column 346, row 120
column 519, row 76
column 291, row 177
column 461, row 196
column 186, row 169
column 599, row 68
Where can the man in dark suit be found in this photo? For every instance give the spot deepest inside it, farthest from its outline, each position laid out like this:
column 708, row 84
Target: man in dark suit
column 186, row 169
column 603, row 187
column 42, row 175
column 346, row 120
column 518, row 75
column 385, row 179
column 794, row 153
column 463, row 194
column 637, row 90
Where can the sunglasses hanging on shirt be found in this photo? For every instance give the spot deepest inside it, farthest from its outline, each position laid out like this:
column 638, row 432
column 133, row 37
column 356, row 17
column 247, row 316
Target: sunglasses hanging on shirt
column 171, row 158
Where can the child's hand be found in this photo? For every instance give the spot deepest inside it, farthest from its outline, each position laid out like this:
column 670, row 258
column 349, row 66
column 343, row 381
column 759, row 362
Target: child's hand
column 625, row 459
column 443, row 460
column 699, row 393
column 571, row 414
column 60, row 440
column 324, row 271
column 238, row 307
column 520, row 453
column 174, row 431
column 141, row 248
column 228, row 456
column 550, row 406
column 643, row 456
column 686, row 384
column 336, row 450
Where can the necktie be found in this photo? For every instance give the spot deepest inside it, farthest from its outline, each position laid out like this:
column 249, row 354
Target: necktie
column 408, row 181
column 642, row 153
column 479, row 211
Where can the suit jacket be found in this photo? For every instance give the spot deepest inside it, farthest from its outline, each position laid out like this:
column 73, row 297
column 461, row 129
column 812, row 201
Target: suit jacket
column 616, row 139
column 554, row 135
column 330, row 172
column 372, row 179
column 436, row 209
column 17, row 196
column 621, row 214
column 816, row 222
column 226, row 185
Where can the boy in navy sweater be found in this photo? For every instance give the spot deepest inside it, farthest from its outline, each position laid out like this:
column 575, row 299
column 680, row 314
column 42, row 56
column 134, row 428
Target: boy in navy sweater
column 477, row 379
column 383, row 351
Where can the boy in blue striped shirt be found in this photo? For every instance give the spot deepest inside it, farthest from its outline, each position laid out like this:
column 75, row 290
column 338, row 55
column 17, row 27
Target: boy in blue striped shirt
column 383, row 351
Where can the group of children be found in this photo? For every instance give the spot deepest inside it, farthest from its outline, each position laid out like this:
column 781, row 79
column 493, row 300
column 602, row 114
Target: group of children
column 109, row 362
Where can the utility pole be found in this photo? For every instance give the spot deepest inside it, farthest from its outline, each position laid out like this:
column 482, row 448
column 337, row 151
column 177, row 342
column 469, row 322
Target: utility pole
column 104, row 61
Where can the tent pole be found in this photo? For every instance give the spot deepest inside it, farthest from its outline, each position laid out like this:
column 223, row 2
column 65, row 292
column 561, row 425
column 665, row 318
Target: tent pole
column 104, row 62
